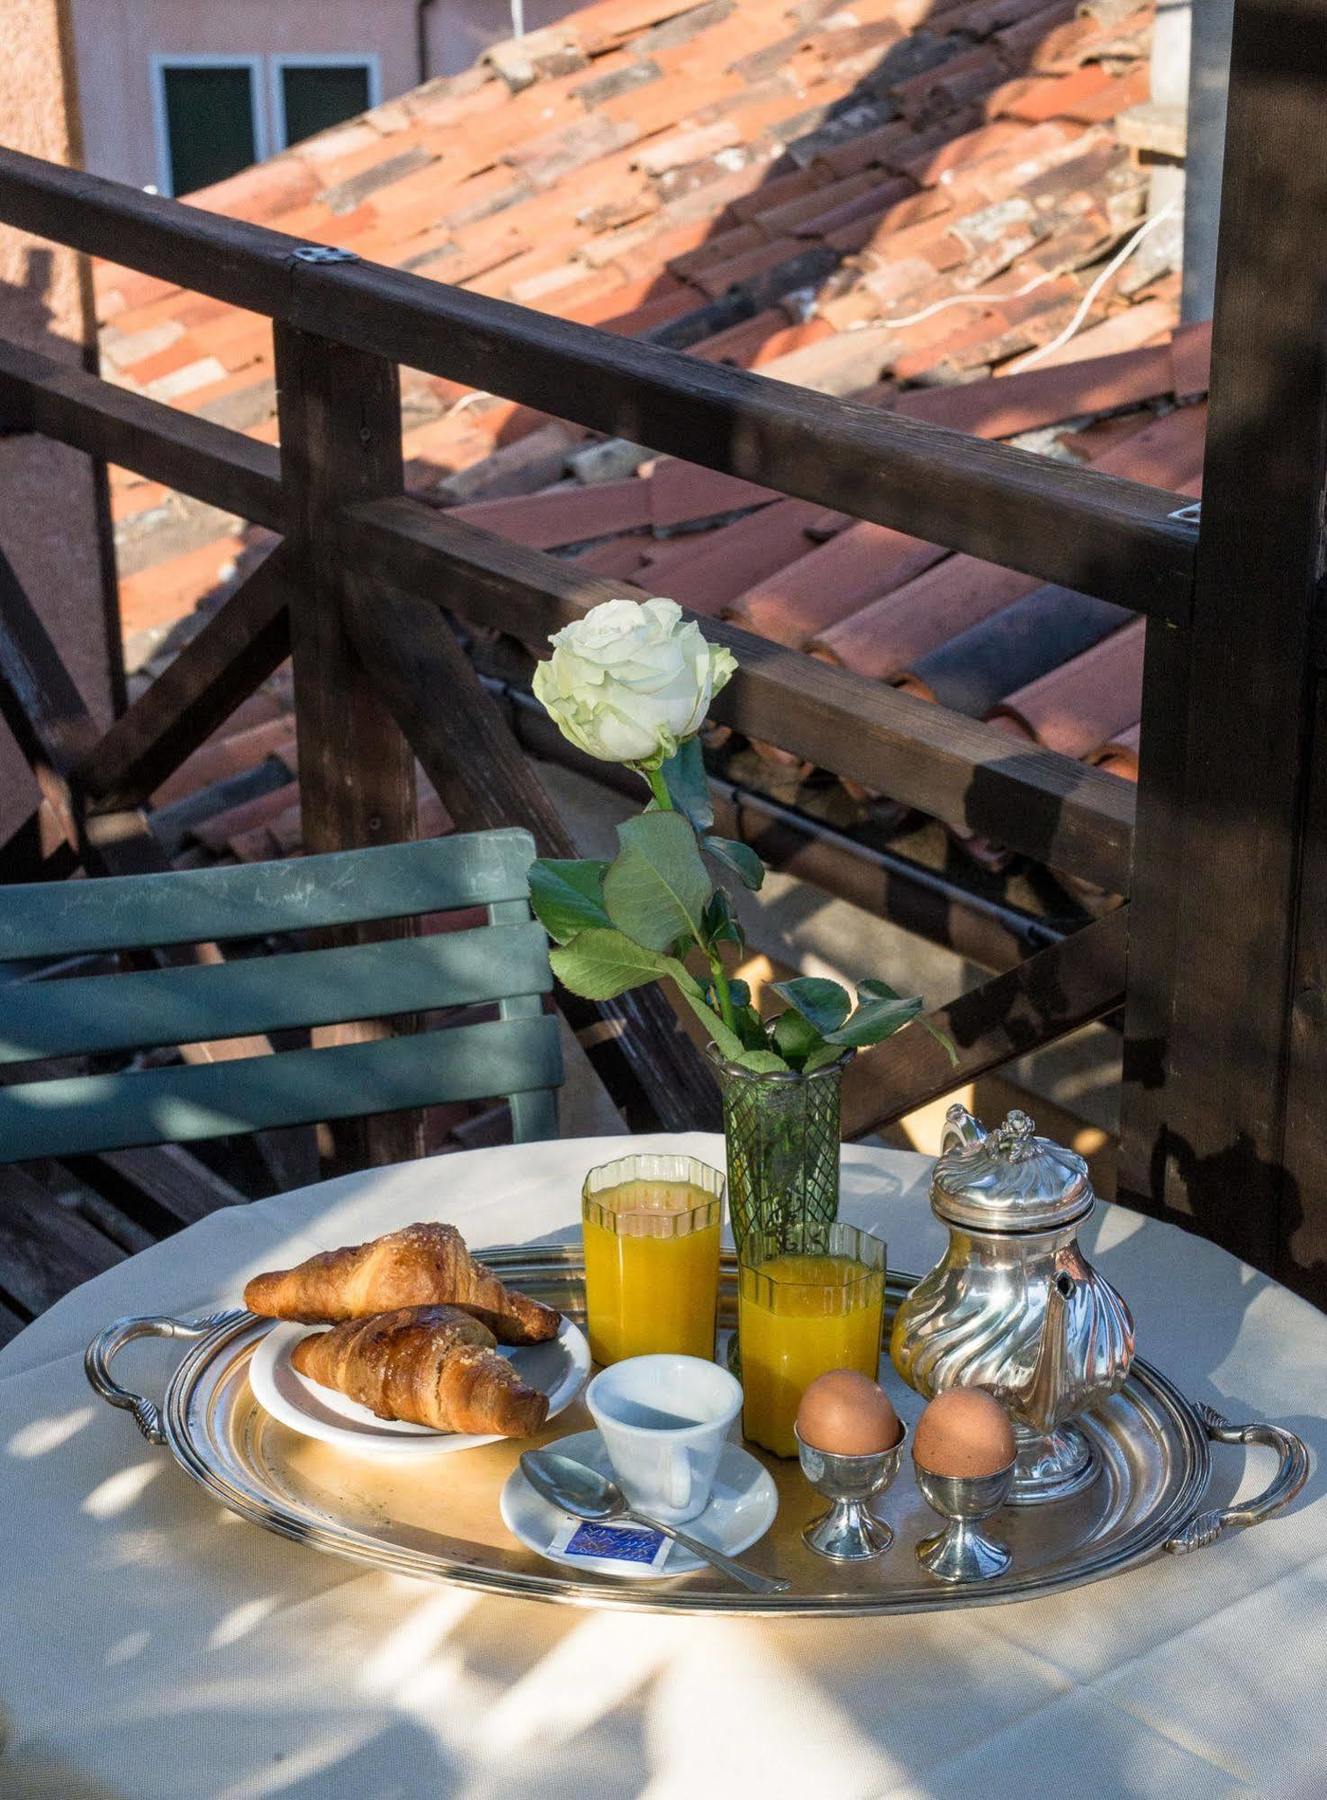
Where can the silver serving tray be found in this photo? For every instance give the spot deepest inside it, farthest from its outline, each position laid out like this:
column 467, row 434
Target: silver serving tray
column 440, row 1520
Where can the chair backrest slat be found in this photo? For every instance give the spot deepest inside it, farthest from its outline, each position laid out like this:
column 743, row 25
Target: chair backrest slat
column 94, row 1014
column 518, row 1055
column 189, row 906
column 84, row 1113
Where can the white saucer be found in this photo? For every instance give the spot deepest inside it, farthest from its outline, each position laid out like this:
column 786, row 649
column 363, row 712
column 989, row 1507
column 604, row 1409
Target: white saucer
column 558, row 1368
column 740, row 1512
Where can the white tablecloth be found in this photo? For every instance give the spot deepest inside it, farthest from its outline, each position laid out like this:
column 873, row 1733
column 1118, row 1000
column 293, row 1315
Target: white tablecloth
column 152, row 1645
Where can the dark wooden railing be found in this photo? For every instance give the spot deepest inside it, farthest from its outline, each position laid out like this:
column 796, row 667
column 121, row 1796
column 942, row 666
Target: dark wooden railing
column 363, row 585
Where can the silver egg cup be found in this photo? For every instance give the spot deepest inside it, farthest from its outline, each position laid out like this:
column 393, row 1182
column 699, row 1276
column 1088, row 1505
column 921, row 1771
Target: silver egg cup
column 961, row 1552
column 849, row 1531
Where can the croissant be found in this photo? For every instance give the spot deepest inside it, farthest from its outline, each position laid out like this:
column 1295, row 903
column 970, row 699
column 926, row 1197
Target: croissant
column 430, row 1365
column 422, row 1265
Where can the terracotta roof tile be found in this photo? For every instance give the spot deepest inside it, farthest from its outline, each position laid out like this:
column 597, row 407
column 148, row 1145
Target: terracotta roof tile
column 1191, row 357
column 806, row 598
column 783, row 177
column 1120, row 334
column 937, row 92
column 243, row 821
column 1010, row 648
column 741, row 344
column 715, row 279
column 1084, row 702
column 546, row 521
column 705, row 572
column 166, row 591
column 229, row 754
column 1020, row 44
column 683, row 491
column 1168, row 453
column 1043, row 395
column 1124, row 91
column 1085, row 37
column 884, row 637
column 777, row 191
column 623, row 557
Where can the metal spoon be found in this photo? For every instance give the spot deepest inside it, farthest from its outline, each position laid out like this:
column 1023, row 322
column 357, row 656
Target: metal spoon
column 586, row 1494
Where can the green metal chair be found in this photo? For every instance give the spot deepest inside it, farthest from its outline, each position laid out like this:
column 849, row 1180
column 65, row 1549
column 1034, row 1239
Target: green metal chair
column 516, row 1055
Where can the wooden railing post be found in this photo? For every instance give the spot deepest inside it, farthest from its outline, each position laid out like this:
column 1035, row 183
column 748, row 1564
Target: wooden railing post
column 1234, row 1016
column 339, row 412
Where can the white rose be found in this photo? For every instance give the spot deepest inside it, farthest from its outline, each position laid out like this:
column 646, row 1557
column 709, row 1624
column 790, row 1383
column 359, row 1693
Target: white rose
column 630, row 681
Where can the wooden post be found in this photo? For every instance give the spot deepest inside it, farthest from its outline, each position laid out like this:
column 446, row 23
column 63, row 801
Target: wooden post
column 471, row 756
column 1215, row 1158
column 339, row 412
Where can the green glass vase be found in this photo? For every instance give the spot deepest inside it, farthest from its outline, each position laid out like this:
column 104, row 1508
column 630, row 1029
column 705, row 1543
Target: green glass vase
column 781, row 1130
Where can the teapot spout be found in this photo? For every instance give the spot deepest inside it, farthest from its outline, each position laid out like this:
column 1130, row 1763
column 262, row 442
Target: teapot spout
column 962, row 1129
column 1042, row 1400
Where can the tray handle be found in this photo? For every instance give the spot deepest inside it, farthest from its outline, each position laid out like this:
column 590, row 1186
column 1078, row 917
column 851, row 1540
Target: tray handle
column 107, row 1344
column 1291, row 1474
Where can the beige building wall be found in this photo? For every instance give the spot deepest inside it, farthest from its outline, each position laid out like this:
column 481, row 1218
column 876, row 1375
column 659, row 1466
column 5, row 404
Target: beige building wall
column 116, row 40
column 49, row 496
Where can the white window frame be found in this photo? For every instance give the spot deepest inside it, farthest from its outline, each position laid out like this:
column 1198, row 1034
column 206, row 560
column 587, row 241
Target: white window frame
column 161, row 61
column 310, row 59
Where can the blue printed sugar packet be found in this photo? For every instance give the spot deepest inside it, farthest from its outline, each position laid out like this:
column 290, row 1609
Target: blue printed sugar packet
column 609, row 1549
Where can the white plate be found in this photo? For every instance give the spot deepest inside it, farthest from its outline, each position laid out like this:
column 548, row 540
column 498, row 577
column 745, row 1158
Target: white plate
column 557, row 1368
column 740, row 1512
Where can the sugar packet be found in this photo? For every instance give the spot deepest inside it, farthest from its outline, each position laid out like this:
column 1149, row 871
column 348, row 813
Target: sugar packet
column 607, row 1548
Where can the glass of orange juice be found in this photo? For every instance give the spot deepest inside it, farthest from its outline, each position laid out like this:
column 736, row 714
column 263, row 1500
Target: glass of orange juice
column 651, row 1226
column 801, row 1312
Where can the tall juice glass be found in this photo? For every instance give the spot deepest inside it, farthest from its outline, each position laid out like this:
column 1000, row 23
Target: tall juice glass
column 651, row 1226
column 802, row 1312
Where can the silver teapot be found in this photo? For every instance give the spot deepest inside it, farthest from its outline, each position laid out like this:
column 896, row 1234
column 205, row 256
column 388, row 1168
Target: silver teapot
column 1013, row 1305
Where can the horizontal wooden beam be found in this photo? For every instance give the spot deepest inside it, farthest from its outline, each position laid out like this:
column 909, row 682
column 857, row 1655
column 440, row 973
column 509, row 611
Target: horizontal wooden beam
column 238, row 648
column 1086, row 530
column 1054, row 809
column 64, row 402
column 1045, row 998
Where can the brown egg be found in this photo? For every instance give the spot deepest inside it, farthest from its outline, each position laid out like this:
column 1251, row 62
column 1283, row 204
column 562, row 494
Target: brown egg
column 846, row 1414
column 964, row 1431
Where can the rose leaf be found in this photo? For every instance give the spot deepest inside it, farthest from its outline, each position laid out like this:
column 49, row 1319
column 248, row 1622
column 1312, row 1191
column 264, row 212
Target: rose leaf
column 688, row 785
column 822, row 1003
column 739, row 859
column 875, row 1020
column 656, row 888
column 600, row 964
column 567, row 895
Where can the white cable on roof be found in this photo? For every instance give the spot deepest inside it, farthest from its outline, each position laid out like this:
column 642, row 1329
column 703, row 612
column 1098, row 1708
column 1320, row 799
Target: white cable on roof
column 983, row 299
column 1112, row 267
column 986, row 299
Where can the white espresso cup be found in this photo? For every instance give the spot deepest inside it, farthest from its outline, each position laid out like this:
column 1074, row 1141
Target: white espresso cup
column 664, row 1421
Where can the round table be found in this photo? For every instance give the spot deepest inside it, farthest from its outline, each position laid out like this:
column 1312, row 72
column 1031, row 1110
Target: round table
column 153, row 1645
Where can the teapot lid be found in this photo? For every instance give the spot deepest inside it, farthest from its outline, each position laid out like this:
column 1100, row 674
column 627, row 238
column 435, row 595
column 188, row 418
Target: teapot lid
column 1008, row 1179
